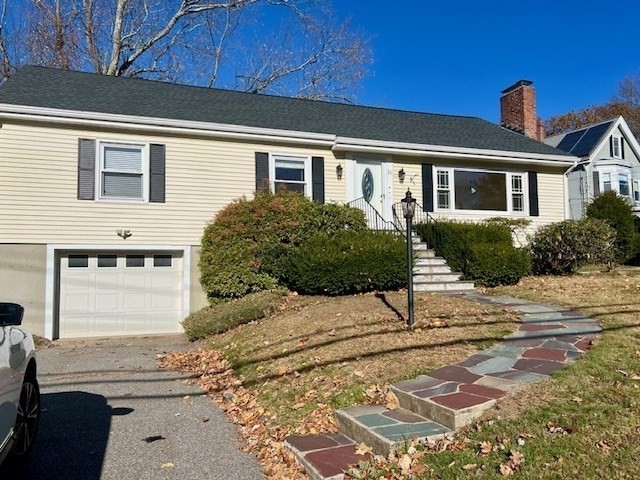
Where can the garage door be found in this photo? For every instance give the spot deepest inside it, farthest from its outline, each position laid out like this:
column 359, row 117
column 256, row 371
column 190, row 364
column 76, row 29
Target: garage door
column 120, row 293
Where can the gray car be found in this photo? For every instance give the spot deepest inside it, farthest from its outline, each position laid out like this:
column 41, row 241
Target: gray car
column 19, row 391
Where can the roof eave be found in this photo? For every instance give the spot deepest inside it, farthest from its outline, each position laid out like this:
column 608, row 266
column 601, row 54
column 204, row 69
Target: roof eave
column 138, row 123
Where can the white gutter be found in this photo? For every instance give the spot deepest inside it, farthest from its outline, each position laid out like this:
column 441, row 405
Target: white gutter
column 74, row 117
column 164, row 125
column 418, row 149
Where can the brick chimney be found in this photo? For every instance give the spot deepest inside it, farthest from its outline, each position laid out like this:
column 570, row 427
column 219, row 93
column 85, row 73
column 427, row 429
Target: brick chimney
column 518, row 110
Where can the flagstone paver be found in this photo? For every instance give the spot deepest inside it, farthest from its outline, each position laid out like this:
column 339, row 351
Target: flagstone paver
column 437, row 403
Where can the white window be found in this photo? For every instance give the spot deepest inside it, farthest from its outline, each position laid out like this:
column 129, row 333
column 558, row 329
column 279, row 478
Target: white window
column 636, row 191
column 292, row 173
column 461, row 189
column 444, row 193
column 623, row 184
column 517, row 193
column 617, row 146
column 122, row 171
column 606, row 182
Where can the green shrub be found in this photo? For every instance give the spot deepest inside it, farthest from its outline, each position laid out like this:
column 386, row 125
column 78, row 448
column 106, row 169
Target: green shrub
column 244, row 248
column 562, row 248
column 223, row 316
column 617, row 212
column 491, row 265
column 452, row 240
column 348, row 262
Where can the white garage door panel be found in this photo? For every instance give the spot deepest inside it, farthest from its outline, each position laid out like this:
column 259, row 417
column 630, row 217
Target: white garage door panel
column 122, row 300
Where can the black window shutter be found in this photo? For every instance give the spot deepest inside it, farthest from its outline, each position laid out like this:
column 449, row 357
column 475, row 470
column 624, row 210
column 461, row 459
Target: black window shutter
column 622, row 147
column 427, row 187
column 157, row 177
column 534, row 209
column 611, row 146
column 86, row 169
column 596, row 184
column 317, row 178
column 262, row 170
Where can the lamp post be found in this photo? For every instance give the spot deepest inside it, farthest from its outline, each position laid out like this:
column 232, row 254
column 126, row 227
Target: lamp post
column 409, row 209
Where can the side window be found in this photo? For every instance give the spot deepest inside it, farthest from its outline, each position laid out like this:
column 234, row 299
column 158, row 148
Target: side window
column 616, row 147
column 444, row 189
column 292, row 173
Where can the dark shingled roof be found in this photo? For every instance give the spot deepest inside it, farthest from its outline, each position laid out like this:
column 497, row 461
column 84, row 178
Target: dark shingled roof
column 67, row 90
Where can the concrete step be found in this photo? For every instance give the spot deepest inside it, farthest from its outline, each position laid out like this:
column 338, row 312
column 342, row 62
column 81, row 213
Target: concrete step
column 431, row 268
column 419, row 246
column 420, row 262
column 454, row 286
column 437, row 277
column 452, row 404
column 383, row 429
column 424, row 253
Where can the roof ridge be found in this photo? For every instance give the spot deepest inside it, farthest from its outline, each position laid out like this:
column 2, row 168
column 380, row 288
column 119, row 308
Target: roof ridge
column 239, row 92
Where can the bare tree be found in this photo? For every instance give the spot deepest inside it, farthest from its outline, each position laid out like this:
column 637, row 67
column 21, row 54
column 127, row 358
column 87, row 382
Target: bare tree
column 285, row 47
column 628, row 91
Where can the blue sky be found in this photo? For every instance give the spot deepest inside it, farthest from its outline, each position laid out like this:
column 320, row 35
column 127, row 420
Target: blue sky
column 455, row 56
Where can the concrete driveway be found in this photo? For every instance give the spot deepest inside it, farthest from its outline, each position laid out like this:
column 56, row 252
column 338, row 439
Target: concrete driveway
column 109, row 413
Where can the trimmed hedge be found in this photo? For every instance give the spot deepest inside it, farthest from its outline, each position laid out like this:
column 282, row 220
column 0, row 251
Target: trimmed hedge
column 348, row 262
column 617, row 212
column 245, row 247
column 452, row 240
column 222, row 317
column 483, row 252
column 491, row 265
column 562, row 248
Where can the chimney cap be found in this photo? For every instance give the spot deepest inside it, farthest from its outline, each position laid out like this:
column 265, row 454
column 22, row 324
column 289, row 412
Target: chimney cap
column 518, row 84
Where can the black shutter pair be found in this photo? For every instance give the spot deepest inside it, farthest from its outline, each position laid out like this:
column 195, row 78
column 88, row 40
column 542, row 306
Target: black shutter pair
column 621, row 147
column 317, row 175
column 87, row 168
column 427, row 190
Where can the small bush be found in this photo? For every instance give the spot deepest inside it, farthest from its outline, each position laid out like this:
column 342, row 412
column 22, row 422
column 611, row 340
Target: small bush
column 348, row 262
column 452, row 240
column 224, row 316
column 245, row 247
column 562, row 248
column 617, row 212
column 491, row 265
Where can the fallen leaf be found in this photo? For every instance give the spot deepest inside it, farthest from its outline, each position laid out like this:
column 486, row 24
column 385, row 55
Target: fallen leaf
column 363, row 449
column 576, row 399
column 604, row 445
column 405, row 464
column 298, row 406
column 521, row 441
column 469, row 466
column 282, row 371
column 622, row 372
column 506, row 470
column 332, row 333
column 485, row 448
column 167, row 465
column 391, row 401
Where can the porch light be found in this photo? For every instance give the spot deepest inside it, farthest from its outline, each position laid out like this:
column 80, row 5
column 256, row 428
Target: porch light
column 409, row 209
column 401, row 175
column 339, row 171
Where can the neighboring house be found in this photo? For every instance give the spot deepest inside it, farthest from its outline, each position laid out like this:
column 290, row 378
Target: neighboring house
column 609, row 160
column 106, row 184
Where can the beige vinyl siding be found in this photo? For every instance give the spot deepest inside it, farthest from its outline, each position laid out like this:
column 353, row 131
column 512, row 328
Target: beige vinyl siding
column 38, row 187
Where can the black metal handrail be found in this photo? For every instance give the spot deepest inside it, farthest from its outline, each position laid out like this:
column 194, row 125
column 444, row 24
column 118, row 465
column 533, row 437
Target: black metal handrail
column 374, row 220
column 420, row 216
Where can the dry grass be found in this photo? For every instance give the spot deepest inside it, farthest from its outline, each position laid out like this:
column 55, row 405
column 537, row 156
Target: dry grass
column 327, row 350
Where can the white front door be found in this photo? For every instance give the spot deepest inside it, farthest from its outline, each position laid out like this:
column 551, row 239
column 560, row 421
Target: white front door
column 120, row 293
column 369, row 182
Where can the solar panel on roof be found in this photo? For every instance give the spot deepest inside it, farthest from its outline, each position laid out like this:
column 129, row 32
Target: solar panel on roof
column 590, row 139
column 570, row 140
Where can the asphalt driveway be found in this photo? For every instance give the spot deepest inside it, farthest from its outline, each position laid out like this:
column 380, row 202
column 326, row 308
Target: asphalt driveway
column 109, row 413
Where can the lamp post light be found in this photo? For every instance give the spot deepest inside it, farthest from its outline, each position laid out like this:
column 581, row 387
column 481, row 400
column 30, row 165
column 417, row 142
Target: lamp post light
column 409, row 209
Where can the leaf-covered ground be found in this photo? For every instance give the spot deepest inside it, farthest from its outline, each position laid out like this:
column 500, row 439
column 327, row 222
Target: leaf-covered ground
column 285, row 374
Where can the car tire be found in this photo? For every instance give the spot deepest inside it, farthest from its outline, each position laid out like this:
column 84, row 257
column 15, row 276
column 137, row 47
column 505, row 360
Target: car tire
column 27, row 420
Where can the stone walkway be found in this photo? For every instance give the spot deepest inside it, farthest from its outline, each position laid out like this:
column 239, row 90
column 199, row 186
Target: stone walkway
column 453, row 396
